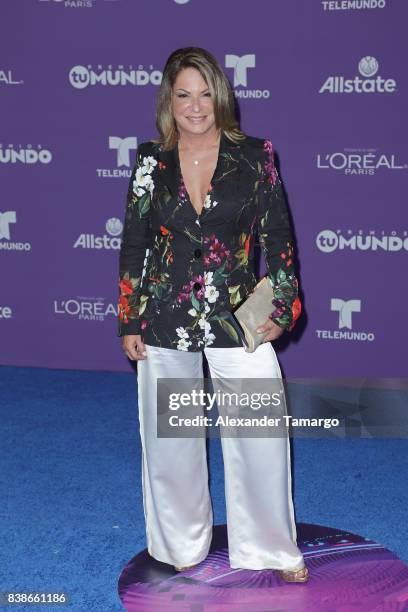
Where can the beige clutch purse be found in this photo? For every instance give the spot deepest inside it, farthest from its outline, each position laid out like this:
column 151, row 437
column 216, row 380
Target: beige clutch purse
column 252, row 313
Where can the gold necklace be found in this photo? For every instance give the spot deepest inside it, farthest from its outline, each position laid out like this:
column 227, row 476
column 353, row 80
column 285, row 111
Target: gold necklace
column 196, row 162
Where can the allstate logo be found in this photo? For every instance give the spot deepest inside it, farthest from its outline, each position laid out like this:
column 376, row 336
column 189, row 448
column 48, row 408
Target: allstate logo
column 368, row 66
column 109, row 241
column 114, row 226
column 370, row 83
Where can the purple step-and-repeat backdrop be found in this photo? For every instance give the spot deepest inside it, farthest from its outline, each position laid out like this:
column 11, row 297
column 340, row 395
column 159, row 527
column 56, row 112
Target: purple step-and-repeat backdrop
column 326, row 81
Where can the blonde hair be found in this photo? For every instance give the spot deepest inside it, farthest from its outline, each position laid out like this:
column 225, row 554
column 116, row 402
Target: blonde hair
column 218, row 85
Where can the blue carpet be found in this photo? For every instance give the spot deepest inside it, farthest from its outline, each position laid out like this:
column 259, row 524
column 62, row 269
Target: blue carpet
column 72, row 514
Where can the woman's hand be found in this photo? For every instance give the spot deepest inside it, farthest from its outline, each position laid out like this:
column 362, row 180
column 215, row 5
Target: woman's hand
column 274, row 330
column 133, row 347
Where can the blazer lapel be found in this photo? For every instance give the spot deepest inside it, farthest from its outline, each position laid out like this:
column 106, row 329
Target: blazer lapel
column 170, row 173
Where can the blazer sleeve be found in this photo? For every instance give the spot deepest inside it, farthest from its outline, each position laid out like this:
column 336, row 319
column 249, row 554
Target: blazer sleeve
column 135, row 242
column 276, row 240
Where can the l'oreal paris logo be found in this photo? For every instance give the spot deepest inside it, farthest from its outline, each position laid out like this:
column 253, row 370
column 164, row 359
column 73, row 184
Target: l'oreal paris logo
column 359, row 161
column 85, row 309
column 7, row 78
column 365, row 83
column 73, row 3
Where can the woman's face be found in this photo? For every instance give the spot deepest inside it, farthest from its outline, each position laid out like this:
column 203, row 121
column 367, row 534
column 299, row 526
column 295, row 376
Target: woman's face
column 192, row 104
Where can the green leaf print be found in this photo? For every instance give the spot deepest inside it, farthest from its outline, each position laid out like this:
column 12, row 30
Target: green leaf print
column 195, row 302
column 281, row 276
column 235, row 296
column 144, row 204
column 218, row 277
column 143, row 303
column 229, row 329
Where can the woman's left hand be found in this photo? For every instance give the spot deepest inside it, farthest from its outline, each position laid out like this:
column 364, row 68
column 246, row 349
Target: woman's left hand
column 274, row 330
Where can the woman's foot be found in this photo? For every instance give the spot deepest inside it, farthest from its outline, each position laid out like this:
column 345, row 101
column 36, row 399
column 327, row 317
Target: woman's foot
column 181, row 568
column 300, row 575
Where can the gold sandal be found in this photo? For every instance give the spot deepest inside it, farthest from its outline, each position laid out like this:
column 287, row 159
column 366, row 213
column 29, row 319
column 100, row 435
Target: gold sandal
column 181, row 568
column 300, row 575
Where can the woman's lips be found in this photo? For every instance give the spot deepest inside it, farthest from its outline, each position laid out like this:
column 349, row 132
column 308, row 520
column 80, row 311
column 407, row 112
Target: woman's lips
column 196, row 119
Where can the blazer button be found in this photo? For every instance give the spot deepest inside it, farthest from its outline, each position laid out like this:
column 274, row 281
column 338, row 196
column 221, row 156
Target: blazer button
column 197, row 253
column 197, row 286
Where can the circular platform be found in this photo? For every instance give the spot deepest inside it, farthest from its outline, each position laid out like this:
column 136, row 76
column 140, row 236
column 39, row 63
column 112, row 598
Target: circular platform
column 347, row 573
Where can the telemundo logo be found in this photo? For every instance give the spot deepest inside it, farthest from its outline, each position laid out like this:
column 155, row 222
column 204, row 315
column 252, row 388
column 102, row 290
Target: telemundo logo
column 8, row 219
column 109, row 241
column 345, row 310
column 122, row 148
column 349, row 5
column 370, row 83
column 241, row 64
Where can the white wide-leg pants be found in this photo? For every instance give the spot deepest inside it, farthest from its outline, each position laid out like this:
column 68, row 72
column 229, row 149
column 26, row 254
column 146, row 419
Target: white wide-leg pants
column 177, row 505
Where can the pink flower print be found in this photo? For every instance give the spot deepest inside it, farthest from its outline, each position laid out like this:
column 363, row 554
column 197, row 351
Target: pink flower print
column 269, row 164
column 268, row 146
column 200, row 292
column 182, row 190
column 184, row 294
column 217, row 251
column 280, row 310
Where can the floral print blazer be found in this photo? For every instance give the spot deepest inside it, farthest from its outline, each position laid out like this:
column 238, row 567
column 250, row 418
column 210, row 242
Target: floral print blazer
column 181, row 274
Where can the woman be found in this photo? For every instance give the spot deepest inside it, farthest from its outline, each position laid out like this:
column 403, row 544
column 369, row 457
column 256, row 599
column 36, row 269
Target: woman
column 196, row 197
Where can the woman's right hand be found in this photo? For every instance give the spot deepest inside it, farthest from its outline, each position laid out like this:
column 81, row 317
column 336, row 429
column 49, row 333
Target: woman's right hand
column 133, row 347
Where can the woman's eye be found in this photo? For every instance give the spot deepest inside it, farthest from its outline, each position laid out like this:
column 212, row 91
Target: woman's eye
column 184, row 95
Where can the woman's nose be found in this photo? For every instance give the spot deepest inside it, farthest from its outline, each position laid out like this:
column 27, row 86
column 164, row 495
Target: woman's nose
column 195, row 104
